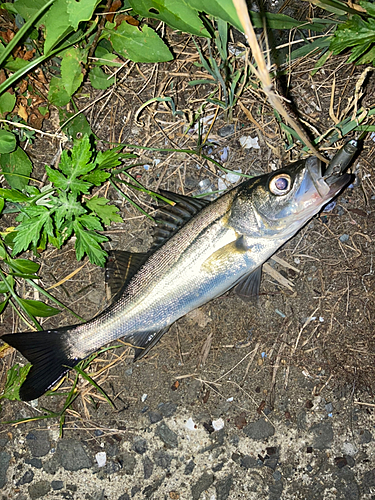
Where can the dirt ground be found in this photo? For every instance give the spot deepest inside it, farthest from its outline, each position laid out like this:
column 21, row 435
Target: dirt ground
column 311, row 340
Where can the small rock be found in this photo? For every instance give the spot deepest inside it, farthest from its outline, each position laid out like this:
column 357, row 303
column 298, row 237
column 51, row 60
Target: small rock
column 340, row 462
column 223, row 487
column 365, row 437
column 39, row 489
column 167, row 409
column 140, row 445
column 148, row 492
column 26, row 478
column 98, row 433
column 226, row 130
column 72, row 455
column 323, row 435
column 34, row 462
column 248, row 462
column 344, row 237
column 128, row 463
column 154, row 417
column 277, row 475
column 57, row 485
column 203, row 483
column 148, row 467
column 124, row 496
column 168, row 437
column 38, row 443
column 191, row 425
column 271, row 462
column 189, row 468
column 162, row 459
column 4, row 464
column 218, row 424
column 259, row 430
column 368, row 481
column 51, row 466
column 349, row 449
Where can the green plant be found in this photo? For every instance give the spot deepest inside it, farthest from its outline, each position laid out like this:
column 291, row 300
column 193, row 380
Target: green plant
column 64, row 207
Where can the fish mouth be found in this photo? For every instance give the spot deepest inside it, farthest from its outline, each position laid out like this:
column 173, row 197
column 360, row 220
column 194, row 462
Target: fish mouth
column 326, row 186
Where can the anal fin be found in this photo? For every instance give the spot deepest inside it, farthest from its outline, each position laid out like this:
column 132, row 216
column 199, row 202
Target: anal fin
column 144, row 341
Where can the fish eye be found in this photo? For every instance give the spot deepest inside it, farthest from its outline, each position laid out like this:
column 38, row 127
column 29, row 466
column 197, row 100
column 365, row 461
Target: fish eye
column 280, row 184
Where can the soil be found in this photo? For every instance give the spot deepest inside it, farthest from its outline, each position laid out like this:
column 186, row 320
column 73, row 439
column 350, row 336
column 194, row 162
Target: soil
column 300, row 359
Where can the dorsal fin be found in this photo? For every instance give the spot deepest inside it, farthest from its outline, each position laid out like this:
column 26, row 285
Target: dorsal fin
column 170, row 218
column 120, row 268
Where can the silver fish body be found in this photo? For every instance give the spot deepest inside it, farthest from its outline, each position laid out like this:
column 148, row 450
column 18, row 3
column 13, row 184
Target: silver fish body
column 222, row 246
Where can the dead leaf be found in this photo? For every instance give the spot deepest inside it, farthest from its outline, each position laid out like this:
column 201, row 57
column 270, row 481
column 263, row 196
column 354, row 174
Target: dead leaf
column 22, row 112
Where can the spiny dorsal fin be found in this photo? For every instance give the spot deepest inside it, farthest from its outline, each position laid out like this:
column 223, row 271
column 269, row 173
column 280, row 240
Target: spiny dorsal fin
column 170, row 218
column 120, row 268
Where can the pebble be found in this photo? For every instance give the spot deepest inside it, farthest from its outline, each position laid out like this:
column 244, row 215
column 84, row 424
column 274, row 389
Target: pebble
column 34, row 462
column 38, row 443
column 128, row 463
column 344, row 237
column 124, row 496
column 226, row 130
column 168, row 437
column 167, row 409
column 323, row 435
column 39, row 489
column 26, row 478
column 218, row 424
column 4, row 464
column 140, row 445
column 148, row 467
column 248, row 462
column 203, row 483
column 155, row 417
column 223, row 487
column 189, row 468
column 72, row 455
column 365, row 437
column 57, row 485
column 259, row 430
column 162, row 459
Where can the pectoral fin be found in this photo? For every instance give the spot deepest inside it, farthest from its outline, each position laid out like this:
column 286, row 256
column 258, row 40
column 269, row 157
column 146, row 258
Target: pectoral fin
column 225, row 256
column 248, row 288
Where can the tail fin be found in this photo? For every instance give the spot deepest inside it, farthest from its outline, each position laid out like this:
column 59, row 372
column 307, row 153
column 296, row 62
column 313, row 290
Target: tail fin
column 49, row 353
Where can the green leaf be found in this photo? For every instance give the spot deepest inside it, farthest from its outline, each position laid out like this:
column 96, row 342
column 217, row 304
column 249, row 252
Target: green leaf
column 28, row 8
column 76, row 126
column 38, row 308
column 16, row 168
column 139, row 44
column 57, row 24
column 81, row 156
column 89, row 242
column 67, row 184
column 16, row 376
column 25, row 266
column 91, row 222
column 223, row 9
column 370, row 8
column 109, row 158
column 2, row 202
column 8, row 142
column 177, row 14
column 57, row 94
column 71, row 69
column 7, row 103
column 96, row 177
column 16, row 64
column 99, row 79
column 2, row 307
column 29, row 230
column 3, row 287
column 13, row 195
column 80, row 11
column 354, row 33
column 68, row 208
column 106, row 58
column 108, row 213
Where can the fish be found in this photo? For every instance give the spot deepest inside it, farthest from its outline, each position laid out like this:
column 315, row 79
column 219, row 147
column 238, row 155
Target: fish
column 202, row 249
